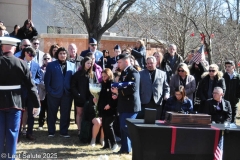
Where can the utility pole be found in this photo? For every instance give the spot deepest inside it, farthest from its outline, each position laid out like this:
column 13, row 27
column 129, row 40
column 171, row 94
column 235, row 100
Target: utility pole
column 237, row 11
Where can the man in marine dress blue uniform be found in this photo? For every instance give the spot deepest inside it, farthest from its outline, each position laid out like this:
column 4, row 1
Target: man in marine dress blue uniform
column 13, row 72
column 93, row 48
column 113, row 60
column 128, row 99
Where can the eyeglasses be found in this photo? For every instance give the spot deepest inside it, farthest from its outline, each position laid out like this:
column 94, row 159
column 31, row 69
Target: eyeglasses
column 36, row 43
column 180, row 70
column 26, row 45
column 46, row 59
column 93, row 45
column 211, row 70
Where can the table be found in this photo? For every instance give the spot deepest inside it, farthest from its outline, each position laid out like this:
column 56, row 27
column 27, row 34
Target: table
column 154, row 141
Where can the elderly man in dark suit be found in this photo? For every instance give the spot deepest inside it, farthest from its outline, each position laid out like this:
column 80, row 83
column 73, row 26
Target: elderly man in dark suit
column 128, row 99
column 219, row 109
column 153, row 87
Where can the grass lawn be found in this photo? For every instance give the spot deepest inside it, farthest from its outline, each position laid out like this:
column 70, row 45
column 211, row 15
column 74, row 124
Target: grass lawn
column 65, row 148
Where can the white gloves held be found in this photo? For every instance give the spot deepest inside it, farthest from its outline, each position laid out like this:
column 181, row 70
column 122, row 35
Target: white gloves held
column 36, row 112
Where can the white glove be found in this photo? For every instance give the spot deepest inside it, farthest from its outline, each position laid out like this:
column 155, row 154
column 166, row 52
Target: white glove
column 36, row 112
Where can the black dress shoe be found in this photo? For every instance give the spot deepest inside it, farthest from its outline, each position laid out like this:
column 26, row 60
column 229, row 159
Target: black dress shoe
column 105, row 147
column 122, row 152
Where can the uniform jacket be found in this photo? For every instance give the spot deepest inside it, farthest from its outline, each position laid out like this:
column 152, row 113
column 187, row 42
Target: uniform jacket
column 128, row 97
column 56, row 83
column 80, row 87
column 189, row 88
column 111, row 62
column 98, row 55
column 105, row 98
column 140, row 56
column 210, row 107
column 159, row 88
column 204, row 83
column 232, row 93
column 15, row 72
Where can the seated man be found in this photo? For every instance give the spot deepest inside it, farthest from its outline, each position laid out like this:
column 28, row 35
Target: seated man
column 219, row 109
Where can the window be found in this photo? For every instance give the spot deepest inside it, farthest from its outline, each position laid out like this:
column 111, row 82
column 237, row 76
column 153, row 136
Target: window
column 59, row 30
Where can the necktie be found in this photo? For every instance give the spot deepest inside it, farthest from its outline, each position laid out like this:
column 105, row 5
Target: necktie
column 218, row 107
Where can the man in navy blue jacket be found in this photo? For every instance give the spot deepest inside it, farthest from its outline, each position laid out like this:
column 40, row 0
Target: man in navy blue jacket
column 57, row 81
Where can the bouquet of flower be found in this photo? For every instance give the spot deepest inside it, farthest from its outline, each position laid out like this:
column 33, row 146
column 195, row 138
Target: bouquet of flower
column 95, row 89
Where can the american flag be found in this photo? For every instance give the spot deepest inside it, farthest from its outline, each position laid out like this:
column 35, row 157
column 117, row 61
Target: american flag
column 198, row 56
column 122, row 84
column 218, row 155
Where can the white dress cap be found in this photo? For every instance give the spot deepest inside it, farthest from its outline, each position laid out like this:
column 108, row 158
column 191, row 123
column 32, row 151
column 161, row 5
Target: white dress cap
column 9, row 41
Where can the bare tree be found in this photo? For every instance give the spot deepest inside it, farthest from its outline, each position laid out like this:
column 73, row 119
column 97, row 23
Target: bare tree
column 90, row 13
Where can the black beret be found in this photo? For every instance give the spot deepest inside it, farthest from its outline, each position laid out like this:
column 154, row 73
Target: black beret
column 92, row 41
column 122, row 56
column 117, row 47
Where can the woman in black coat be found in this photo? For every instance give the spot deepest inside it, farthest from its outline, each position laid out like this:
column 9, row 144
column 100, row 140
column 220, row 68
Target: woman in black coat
column 27, row 31
column 107, row 109
column 211, row 79
column 80, row 88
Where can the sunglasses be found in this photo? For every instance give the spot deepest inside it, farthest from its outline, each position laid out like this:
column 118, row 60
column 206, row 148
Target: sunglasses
column 36, row 43
column 93, row 45
column 30, row 54
column 211, row 70
column 26, row 45
column 46, row 59
column 180, row 70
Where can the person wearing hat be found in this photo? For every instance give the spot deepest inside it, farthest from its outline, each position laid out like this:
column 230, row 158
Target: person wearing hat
column 93, row 48
column 13, row 72
column 232, row 81
column 128, row 98
column 113, row 60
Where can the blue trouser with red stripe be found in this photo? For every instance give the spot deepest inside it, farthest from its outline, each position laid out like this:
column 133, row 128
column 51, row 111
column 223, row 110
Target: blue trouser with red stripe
column 9, row 128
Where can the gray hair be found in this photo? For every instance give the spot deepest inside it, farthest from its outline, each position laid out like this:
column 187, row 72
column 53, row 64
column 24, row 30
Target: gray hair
column 172, row 45
column 153, row 58
column 24, row 40
column 218, row 88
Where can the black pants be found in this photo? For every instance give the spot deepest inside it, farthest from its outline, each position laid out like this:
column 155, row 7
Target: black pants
column 234, row 112
column 42, row 115
column 107, row 124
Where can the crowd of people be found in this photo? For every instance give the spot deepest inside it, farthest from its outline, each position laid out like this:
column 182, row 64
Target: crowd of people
column 131, row 82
